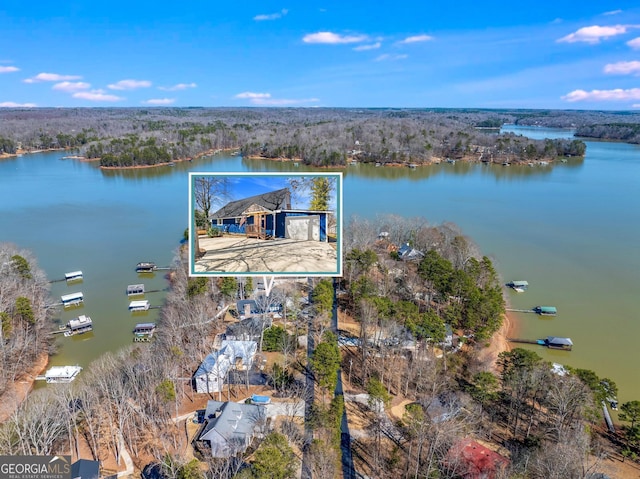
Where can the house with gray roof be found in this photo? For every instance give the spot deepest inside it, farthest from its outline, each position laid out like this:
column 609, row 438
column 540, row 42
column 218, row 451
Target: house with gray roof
column 230, row 427
column 269, row 215
column 407, row 253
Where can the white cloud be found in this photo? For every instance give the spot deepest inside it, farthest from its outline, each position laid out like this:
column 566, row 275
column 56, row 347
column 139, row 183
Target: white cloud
column 623, row 68
column 129, row 84
column 416, row 39
column 390, row 57
column 178, row 87
column 603, row 95
column 252, row 96
column 372, row 46
column 265, row 99
column 612, row 12
column 11, row 104
column 271, row 16
column 8, row 69
column 96, row 95
column 595, row 33
column 635, row 105
column 40, row 77
column 71, row 86
column 635, row 43
column 333, row 38
column 160, row 101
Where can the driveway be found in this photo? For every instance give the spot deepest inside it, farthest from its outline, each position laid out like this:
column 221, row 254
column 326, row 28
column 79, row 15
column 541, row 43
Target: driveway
column 237, row 254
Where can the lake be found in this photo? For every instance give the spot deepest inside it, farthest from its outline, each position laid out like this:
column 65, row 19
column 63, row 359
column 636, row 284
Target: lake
column 572, row 230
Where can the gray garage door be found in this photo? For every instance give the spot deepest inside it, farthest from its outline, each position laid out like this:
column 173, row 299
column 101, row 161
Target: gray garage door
column 303, row 228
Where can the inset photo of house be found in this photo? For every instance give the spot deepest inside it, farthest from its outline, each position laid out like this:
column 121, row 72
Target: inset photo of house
column 265, row 224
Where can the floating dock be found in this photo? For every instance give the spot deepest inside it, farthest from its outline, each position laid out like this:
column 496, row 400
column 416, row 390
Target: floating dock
column 135, row 289
column 73, row 276
column 79, row 325
column 146, row 267
column 143, row 331
column 142, row 305
column 552, row 342
column 73, row 299
column 60, row 374
column 149, row 267
column 541, row 310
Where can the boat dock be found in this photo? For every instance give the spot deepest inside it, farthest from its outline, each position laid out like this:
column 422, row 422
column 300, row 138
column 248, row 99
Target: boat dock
column 79, row 325
column 73, row 276
column 150, row 267
column 73, row 299
column 60, row 374
column 135, row 289
column 142, row 305
column 143, row 332
column 541, row 310
column 552, row 342
column 69, row 277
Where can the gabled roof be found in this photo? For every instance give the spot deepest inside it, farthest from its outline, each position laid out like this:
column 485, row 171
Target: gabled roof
column 231, row 422
column 407, row 252
column 220, row 361
column 557, row 340
column 272, row 200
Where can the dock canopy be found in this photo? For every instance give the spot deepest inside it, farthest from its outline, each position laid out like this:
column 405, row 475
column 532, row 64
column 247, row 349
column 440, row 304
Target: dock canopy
column 559, row 343
column 73, row 298
column 546, row 310
column 135, row 289
column 141, row 305
column 145, row 267
column 81, row 323
column 144, row 328
column 73, row 276
column 62, row 374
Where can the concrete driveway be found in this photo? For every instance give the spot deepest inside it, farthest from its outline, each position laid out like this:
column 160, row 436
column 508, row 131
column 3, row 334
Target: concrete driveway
column 237, row 254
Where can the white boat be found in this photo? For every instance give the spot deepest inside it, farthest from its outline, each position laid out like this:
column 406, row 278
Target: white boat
column 62, row 374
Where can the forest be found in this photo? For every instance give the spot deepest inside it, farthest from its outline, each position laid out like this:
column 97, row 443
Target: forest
column 128, row 137
column 25, row 314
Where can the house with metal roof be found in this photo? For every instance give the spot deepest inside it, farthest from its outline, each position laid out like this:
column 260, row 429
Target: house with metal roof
column 230, row 427
column 555, row 342
column 407, row 253
column 212, row 372
column 269, row 215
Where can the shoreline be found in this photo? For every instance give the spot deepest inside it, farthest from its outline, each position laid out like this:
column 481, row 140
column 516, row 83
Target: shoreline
column 209, row 152
column 19, row 390
column 498, row 343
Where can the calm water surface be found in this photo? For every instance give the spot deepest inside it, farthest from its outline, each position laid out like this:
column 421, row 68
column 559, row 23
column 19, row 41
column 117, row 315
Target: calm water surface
column 571, row 230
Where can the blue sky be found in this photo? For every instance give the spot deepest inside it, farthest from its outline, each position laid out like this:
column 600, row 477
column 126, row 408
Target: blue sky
column 246, row 185
column 542, row 54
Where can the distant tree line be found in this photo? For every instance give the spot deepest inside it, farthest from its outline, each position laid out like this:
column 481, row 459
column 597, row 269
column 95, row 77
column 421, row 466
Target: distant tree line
column 319, row 137
column 627, row 132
